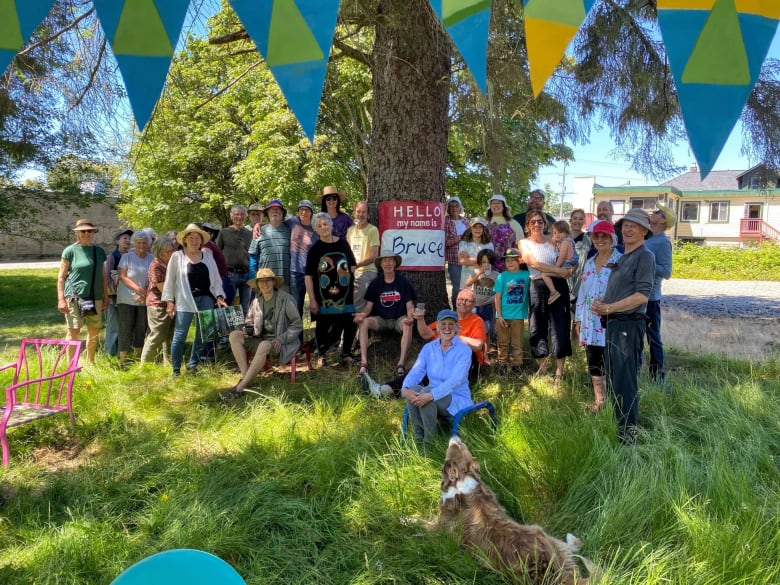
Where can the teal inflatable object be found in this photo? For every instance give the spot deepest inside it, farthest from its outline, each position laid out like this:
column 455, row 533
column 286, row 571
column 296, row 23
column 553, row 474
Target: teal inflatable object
column 180, row 567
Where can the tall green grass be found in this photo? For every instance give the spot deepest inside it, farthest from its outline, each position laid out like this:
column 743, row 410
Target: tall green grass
column 311, row 484
column 761, row 262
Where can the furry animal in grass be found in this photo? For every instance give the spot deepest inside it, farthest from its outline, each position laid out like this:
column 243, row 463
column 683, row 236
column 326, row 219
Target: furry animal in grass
column 521, row 553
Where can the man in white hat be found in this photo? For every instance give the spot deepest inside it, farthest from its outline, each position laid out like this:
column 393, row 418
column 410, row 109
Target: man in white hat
column 659, row 244
column 389, row 305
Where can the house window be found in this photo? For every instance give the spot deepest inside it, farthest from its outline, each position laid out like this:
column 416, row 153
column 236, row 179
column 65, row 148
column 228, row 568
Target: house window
column 690, row 211
column 752, row 211
column 719, row 211
column 646, row 204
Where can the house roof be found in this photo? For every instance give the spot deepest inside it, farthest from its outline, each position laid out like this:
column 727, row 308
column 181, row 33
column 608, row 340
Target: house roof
column 715, row 181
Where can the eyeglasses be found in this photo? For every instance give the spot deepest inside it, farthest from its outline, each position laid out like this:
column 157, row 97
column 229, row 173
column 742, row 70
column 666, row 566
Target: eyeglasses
column 467, row 301
column 536, row 221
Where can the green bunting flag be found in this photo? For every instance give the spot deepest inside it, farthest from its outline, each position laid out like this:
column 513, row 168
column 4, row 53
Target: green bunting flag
column 18, row 20
column 716, row 49
column 143, row 35
column 294, row 37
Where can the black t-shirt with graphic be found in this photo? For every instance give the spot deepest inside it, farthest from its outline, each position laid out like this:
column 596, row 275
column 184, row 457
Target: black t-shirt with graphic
column 328, row 264
column 390, row 298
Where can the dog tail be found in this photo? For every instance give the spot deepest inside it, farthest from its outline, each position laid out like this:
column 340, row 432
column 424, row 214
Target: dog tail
column 595, row 573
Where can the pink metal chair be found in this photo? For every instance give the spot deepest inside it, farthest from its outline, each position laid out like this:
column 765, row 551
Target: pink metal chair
column 42, row 384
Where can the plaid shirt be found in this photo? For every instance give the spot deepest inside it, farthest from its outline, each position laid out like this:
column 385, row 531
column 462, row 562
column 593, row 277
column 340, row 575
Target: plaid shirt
column 452, row 239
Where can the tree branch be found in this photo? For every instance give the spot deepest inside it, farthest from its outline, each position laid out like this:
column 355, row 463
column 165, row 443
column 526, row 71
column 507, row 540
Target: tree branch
column 352, row 52
column 238, row 35
column 229, row 85
column 92, row 75
column 57, row 34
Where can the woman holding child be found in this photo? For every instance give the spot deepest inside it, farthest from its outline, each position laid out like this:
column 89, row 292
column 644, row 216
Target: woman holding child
column 553, row 319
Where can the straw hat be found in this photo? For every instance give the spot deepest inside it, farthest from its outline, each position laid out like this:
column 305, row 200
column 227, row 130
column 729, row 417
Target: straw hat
column 331, row 190
column 83, row 225
column 671, row 219
column 190, row 229
column 265, row 273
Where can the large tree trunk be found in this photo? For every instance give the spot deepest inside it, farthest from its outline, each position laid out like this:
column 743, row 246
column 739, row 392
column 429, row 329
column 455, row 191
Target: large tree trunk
column 411, row 68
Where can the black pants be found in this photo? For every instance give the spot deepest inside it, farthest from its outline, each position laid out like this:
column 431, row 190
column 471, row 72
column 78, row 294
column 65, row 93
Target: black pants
column 553, row 320
column 329, row 330
column 624, row 345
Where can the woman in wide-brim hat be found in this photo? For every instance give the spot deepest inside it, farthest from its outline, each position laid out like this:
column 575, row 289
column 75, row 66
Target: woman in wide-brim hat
column 272, row 310
column 330, row 202
column 82, row 276
column 192, row 284
column 505, row 232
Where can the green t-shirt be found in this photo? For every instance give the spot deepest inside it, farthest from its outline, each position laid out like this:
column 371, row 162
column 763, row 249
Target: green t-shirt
column 82, row 270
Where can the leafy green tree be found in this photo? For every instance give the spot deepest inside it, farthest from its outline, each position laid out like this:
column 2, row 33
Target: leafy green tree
column 222, row 134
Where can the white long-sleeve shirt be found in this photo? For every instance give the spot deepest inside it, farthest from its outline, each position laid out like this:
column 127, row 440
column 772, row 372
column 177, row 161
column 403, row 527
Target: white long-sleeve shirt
column 177, row 286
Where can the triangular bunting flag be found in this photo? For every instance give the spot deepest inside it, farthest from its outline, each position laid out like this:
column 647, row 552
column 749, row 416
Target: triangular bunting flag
column 549, row 28
column 143, row 35
column 18, row 20
column 715, row 49
column 294, row 37
column 468, row 22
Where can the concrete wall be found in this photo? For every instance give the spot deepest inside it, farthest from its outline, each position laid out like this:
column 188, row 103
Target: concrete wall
column 47, row 231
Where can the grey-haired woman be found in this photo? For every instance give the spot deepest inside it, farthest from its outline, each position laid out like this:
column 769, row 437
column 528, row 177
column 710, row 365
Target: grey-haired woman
column 160, row 323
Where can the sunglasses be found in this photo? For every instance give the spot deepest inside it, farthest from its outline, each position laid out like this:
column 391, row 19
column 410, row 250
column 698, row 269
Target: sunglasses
column 88, row 231
column 536, row 221
column 331, row 198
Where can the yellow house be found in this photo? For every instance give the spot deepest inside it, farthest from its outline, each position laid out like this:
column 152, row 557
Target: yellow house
column 726, row 208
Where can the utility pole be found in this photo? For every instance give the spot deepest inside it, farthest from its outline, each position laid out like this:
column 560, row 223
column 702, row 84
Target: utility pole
column 563, row 185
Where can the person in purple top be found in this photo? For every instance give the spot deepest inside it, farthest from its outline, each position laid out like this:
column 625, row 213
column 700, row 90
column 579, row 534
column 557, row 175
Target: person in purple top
column 330, row 202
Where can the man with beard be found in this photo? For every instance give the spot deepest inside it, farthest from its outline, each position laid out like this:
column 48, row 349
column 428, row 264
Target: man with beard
column 536, row 203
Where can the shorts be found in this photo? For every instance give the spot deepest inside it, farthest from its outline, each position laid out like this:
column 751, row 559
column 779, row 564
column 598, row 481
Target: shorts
column 390, row 324
column 74, row 320
column 251, row 343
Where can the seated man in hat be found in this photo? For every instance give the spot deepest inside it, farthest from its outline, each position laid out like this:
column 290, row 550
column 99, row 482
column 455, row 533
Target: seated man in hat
column 389, row 304
column 271, row 249
column 272, row 327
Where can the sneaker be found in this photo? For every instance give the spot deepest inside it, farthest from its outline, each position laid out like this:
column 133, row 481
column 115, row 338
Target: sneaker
column 231, row 395
column 374, row 388
column 176, row 373
column 192, row 370
column 627, row 435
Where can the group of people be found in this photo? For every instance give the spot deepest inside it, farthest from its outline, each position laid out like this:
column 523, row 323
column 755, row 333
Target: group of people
column 503, row 270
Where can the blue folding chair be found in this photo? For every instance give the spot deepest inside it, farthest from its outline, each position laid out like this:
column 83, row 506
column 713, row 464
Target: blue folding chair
column 455, row 420
column 180, row 567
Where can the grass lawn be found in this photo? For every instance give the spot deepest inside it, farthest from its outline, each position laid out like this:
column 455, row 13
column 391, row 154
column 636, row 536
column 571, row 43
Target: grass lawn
column 308, row 484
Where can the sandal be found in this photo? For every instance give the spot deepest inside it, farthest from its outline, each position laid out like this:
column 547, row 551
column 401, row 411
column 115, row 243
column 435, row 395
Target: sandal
column 595, row 407
column 553, row 297
column 400, row 370
column 363, row 368
column 557, row 379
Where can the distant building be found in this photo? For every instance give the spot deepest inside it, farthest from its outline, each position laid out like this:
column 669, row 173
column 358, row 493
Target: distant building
column 726, row 208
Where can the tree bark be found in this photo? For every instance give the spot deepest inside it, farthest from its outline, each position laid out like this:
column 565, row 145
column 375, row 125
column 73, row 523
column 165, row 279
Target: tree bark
column 411, row 69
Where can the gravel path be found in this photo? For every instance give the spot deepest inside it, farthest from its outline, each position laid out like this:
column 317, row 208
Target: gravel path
column 721, row 298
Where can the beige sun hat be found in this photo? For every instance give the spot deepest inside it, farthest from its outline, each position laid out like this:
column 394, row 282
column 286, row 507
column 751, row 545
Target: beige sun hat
column 671, row 218
column 386, row 254
column 83, row 225
column 193, row 227
column 331, row 190
column 264, row 273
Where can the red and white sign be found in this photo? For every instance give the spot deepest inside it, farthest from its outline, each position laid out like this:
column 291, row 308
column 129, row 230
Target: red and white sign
column 415, row 231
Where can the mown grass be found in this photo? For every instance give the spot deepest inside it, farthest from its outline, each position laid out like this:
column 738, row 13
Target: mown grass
column 309, row 483
column 714, row 263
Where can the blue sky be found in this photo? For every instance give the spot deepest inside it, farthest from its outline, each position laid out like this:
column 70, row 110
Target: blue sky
column 594, row 159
